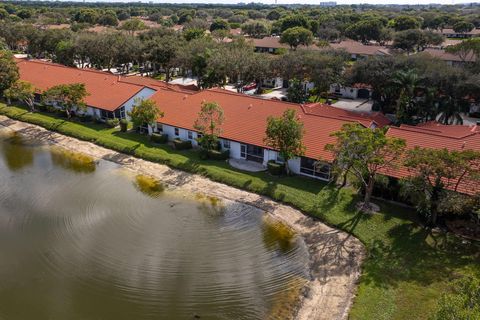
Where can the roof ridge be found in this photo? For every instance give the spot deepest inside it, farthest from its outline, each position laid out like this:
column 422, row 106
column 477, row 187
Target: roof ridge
column 431, row 132
column 119, row 78
column 224, row 91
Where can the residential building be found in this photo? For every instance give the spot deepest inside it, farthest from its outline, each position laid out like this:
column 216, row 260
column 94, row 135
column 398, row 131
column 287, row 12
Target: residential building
column 450, row 33
column 243, row 130
column 109, row 96
column 438, row 136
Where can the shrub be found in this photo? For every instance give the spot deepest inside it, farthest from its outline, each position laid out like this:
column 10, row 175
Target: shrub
column 85, row 118
column 123, row 125
column 203, row 154
column 42, row 107
column 182, row 145
column 275, row 168
column 218, row 155
column 51, row 109
column 159, row 138
column 112, row 123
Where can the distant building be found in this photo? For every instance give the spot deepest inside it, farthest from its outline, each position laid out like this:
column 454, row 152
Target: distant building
column 328, row 4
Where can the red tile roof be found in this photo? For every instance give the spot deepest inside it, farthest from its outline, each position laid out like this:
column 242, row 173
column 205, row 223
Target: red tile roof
column 153, row 83
column 364, row 118
column 446, row 56
column 106, row 91
column 355, row 47
column 246, row 117
column 437, row 136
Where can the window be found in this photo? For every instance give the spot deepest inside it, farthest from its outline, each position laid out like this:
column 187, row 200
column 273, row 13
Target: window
column 280, row 158
column 226, row 144
column 199, row 135
column 159, row 128
column 106, row 114
column 190, row 135
column 315, row 168
column 177, row 132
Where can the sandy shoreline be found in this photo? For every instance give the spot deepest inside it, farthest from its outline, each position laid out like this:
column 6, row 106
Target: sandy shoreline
column 335, row 257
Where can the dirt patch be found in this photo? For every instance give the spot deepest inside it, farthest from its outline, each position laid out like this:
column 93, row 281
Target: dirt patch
column 335, row 256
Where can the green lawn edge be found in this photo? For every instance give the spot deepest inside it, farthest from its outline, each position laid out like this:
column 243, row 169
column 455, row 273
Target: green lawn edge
column 407, row 267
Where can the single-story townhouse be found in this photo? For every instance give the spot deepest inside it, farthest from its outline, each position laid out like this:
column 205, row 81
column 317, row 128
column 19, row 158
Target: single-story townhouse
column 243, row 130
column 434, row 135
column 272, row 45
column 450, row 33
column 450, row 58
column 358, row 50
column 110, row 96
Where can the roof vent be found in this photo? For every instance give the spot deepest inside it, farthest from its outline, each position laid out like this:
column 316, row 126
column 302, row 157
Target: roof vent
column 463, row 144
column 250, row 106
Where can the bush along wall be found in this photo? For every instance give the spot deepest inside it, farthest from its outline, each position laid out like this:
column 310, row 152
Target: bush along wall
column 275, row 168
column 182, row 145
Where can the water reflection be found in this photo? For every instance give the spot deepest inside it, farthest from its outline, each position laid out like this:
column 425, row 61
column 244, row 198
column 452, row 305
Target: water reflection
column 149, row 185
column 277, row 234
column 74, row 161
column 93, row 246
column 17, row 152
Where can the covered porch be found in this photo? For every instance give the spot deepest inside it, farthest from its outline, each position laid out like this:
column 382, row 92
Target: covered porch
column 247, row 165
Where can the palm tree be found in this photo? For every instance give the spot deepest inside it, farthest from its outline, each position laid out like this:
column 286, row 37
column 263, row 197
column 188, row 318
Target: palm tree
column 450, row 110
column 406, row 83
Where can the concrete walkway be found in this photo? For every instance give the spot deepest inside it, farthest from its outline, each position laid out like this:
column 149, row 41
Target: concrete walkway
column 246, row 165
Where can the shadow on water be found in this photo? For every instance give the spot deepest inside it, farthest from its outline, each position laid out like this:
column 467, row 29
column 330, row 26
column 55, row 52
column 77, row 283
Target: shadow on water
column 72, row 161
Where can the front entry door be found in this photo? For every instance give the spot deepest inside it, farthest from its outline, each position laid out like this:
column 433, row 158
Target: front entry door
column 243, row 151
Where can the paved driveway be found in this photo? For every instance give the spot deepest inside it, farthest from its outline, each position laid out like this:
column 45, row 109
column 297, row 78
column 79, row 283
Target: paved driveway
column 354, row 105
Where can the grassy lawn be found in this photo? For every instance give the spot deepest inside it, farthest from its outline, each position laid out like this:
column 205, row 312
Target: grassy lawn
column 407, row 268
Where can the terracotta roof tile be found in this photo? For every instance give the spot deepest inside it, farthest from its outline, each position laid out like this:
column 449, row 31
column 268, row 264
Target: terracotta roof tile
column 246, row 117
column 106, row 91
column 437, row 136
column 365, row 118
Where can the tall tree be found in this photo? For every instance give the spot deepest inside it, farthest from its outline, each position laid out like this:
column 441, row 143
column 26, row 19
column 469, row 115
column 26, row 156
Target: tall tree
column 133, row 25
column 285, row 134
column 365, row 152
column 366, row 30
column 22, row 91
column 68, row 97
column 145, row 111
column 463, row 27
column 8, row 70
column 404, row 22
column 436, row 170
column 296, row 92
column 209, row 123
column 297, row 36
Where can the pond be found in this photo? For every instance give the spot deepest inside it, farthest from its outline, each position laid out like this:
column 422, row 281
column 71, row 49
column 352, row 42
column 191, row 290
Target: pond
column 86, row 239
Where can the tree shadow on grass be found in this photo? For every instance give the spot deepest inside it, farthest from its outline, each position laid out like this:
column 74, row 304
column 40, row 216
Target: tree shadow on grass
column 417, row 255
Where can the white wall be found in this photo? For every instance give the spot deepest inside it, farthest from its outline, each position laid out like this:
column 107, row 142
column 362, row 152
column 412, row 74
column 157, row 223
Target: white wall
column 234, row 150
column 346, row 92
column 294, row 165
column 182, row 133
column 145, row 93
